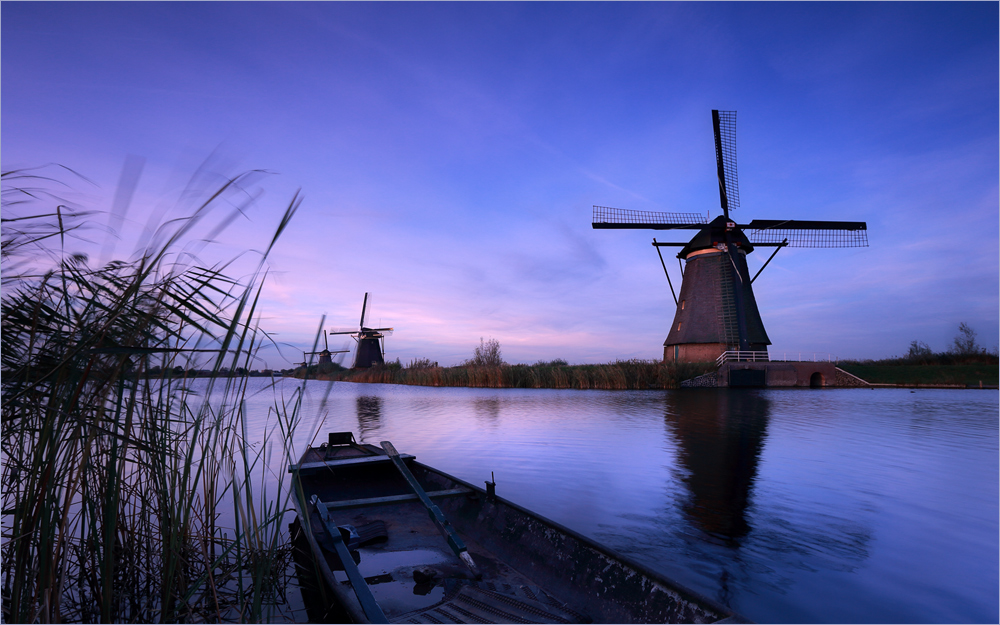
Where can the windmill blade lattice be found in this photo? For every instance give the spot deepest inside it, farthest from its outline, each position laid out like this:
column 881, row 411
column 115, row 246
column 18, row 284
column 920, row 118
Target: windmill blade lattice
column 808, row 233
column 607, row 217
column 366, row 309
column 725, row 156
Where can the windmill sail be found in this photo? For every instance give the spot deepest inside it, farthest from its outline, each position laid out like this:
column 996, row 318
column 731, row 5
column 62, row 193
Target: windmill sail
column 808, row 233
column 607, row 217
column 724, row 124
column 364, row 308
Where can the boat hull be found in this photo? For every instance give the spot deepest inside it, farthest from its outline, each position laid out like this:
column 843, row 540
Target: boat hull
column 532, row 569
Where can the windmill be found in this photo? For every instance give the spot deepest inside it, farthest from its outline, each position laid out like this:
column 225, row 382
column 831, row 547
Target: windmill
column 716, row 311
column 371, row 342
column 325, row 355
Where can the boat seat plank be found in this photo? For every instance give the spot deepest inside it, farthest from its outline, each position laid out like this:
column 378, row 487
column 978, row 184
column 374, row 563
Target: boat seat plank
column 306, row 467
column 375, row 501
column 474, row 604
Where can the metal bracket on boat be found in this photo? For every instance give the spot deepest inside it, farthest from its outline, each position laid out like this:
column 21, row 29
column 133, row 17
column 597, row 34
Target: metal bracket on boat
column 364, row 594
column 443, row 524
column 350, row 535
column 335, row 439
column 491, row 488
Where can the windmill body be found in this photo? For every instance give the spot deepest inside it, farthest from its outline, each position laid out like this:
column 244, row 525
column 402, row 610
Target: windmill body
column 369, row 352
column 707, row 322
column 371, row 342
column 716, row 311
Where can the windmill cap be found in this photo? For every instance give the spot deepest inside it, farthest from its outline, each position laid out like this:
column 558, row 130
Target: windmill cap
column 713, row 234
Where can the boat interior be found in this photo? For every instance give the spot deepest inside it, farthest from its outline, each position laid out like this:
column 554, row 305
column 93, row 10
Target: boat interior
column 402, row 554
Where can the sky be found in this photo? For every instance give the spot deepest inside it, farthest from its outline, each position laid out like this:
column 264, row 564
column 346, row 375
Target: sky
column 449, row 155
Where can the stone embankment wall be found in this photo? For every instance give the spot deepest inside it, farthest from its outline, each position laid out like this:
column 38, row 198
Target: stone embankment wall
column 777, row 374
column 846, row 379
column 782, row 374
column 708, row 380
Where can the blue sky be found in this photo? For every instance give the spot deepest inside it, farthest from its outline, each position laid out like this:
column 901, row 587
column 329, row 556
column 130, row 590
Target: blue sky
column 449, row 155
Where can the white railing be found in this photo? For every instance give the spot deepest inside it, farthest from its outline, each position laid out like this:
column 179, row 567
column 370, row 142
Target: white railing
column 741, row 356
column 809, row 357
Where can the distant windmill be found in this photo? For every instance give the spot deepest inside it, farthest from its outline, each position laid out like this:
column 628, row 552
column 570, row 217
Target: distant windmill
column 716, row 311
column 325, row 355
column 371, row 342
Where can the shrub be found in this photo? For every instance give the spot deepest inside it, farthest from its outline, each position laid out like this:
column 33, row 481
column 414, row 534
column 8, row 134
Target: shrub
column 965, row 342
column 920, row 353
column 487, row 354
column 421, row 363
column 558, row 362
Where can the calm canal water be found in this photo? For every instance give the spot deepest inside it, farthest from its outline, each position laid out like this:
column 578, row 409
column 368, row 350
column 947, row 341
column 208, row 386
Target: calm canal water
column 837, row 505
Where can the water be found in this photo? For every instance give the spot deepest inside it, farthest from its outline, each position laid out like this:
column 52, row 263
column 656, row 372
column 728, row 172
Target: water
column 836, row 505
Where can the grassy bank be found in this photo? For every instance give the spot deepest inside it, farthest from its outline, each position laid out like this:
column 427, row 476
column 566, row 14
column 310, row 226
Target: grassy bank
column 649, row 374
column 966, row 363
column 619, row 375
column 965, row 374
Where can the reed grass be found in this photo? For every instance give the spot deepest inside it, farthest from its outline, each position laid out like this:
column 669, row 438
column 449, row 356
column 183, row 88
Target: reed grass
column 114, row 481
column 618, row 375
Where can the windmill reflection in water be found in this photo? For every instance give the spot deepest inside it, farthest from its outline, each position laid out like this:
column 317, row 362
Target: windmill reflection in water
column 720, row 438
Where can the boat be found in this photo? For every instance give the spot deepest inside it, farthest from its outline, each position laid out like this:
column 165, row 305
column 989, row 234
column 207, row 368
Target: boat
column 392, row 540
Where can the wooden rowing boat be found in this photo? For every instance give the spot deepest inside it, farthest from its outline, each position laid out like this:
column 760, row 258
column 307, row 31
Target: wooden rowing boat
column 393, row 540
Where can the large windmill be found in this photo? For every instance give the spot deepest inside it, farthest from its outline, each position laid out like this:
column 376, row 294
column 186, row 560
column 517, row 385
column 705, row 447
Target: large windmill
column 371, row 342
column 716, row 311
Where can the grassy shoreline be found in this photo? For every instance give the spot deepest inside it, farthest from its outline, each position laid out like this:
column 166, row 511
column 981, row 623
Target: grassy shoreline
column 964, row 365
column 647, row 374
column 925, row 374
column 619, row 375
